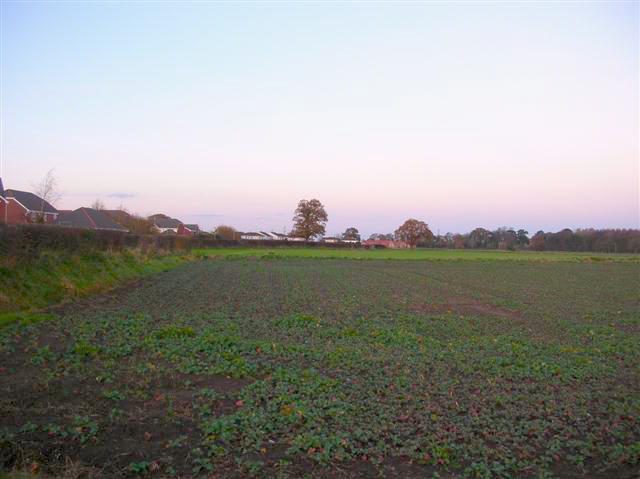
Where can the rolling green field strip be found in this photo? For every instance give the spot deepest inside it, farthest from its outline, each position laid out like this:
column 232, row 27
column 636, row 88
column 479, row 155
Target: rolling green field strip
column 415, row 254
column 257, row 367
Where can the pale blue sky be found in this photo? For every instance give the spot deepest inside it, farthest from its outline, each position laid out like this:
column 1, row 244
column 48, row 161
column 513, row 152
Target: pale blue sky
column 460, row 114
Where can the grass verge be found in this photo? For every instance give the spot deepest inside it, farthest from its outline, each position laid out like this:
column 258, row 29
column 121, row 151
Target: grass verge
column 26, row 287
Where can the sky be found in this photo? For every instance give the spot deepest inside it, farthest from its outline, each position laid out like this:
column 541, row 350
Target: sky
column 519, row 114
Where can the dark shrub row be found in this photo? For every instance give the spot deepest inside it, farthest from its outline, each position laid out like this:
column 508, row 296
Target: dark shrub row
column 204, row 242
column 27, row 241
column 607, row 241
column 603, row 240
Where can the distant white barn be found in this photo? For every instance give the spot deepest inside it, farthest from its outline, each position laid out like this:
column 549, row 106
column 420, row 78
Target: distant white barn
column 252, row 236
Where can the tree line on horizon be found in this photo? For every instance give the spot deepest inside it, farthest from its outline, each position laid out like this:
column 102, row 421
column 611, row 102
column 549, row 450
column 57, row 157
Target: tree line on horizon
column 608, row 240
column 310, row 218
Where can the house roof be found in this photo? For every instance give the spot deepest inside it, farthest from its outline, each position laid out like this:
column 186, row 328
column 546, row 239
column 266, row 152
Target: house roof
column 117, row 214
column 252, row 233
column 88, row 218
column 192, row 227
column 2, row 191
column 120, row 217
column 30, row 201
column 161, row 222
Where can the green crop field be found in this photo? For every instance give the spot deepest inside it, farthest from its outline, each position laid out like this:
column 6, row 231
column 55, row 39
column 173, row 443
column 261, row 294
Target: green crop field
column 414, row 254
column 268, row 364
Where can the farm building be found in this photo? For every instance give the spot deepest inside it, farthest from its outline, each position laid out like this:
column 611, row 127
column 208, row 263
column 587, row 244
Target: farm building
column 391, row 244
column 253, row 236
column 279, row 236
column 265, row 236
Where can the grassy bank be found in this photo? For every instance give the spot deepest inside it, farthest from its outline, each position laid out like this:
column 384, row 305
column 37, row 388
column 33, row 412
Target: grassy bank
column 415, row 254
column 27, row 287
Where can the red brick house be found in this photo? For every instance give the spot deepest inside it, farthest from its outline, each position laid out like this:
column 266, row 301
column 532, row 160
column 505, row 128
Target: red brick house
column 22, row 207
column 188, row 230
column 3, row 205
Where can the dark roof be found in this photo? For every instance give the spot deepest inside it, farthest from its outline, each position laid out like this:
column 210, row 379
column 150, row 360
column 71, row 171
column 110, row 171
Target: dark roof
column 30, row 201
column 252, row 233
column 88, row 218
column 192, row 227
column 117, row 214
column 165, row 222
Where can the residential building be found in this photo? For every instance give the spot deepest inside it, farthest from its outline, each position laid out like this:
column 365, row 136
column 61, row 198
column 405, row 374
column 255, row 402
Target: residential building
column 88, row 218
column 188, row 230
column 22, row 207
column 119, row 216
column 164, row 224
column 3, row 205
column 134, row 223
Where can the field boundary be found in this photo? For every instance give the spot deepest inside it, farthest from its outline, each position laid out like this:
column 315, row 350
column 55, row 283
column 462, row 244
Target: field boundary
column 419, row 254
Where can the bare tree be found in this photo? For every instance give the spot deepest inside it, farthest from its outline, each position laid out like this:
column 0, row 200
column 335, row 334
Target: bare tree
column 47, row 190
column 98, row 205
